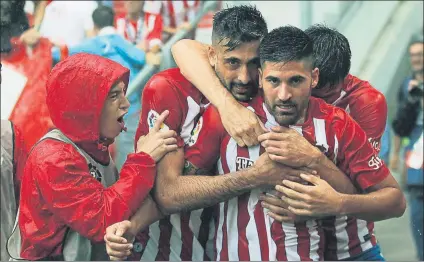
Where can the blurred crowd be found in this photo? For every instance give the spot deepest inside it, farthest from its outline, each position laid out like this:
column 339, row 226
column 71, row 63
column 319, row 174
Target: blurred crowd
column 35, row 35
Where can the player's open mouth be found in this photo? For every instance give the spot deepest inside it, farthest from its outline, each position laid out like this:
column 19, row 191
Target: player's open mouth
column 122, row 123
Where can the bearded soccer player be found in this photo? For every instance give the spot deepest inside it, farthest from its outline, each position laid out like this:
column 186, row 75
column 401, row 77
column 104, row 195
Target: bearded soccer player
column 364, row 103
column 183, row 236
column 287, row 75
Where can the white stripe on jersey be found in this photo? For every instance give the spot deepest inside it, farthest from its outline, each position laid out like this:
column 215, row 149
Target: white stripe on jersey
column 193, row 111
column 175, row 242
column 320, row 133
column 342, row 237
column 362, row 232
column 252, row 230
column 232, row 229
column 219, row 234
column 291, row 241
column 336, row 149
column 195, row 223
column 152, row 249
column 314, row 239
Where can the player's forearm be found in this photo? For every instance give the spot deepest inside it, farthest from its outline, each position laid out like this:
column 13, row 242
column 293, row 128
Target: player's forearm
column 329, row 172
column 193, row 192
column 147, row 214
column 192, row 59
column 375, row 206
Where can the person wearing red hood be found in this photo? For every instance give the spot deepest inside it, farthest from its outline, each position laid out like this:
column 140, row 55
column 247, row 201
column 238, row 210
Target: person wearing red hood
column 70, row 188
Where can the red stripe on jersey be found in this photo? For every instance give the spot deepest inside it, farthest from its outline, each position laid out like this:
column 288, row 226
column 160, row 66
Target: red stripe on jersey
column 205, row 218
column 352, row 232
column 279, row 237
column 165, row 227
column 261, row 228
column 303, row 241
column 216, row 217
column 187, row 237
column 330, row 252
column 243, row 215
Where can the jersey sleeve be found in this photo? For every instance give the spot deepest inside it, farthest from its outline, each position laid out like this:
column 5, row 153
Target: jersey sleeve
column 371, row 116
column 356, row 157
column 203, row 148
column 159, row 95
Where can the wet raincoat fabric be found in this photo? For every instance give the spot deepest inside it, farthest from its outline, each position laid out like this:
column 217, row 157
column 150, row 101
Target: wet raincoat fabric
column 58, row 192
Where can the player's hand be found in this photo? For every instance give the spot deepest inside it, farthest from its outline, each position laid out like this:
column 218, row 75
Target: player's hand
column 119, row 239
column 270, row 173
column 394, row 162
column 30, row 37
column 185, row 26
column 158, row 142
column 288, row 147
column 242, row 124
column 318, row 200
column 153, row 58
column 278, row 209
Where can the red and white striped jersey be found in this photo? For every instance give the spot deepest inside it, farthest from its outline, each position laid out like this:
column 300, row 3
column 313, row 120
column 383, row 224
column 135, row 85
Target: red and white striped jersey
column 347, row 237
column 146, row 30
column 174, row 13
column 179, row 236
column 243, row 231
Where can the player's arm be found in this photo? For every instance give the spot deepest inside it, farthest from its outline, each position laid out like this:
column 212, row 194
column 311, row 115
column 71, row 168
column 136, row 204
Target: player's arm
column 382, row 197
column 192, row 59
column 288, row 147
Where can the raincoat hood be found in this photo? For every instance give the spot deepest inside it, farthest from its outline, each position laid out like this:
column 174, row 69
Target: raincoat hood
column 77, row 89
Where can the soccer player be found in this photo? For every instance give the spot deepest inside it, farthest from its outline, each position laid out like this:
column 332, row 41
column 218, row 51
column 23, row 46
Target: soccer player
column 336, row 86
column 287, row 76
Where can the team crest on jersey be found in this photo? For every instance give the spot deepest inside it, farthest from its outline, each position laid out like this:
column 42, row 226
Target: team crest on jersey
column 151, row 120
column 243, row 163
column 94, row 172
column 194, row 135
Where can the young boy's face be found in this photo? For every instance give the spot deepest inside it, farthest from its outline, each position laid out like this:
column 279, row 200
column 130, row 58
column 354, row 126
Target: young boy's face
column 114, row 109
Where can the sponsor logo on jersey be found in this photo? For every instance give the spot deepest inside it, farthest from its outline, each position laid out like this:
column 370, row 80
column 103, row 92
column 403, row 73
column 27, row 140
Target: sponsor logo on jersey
column 151, row 120
column 195, row 132
column 374, row 144
column 375, row 162
column 243, row 163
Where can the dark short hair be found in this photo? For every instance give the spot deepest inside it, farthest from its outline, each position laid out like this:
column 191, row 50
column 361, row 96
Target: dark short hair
column 103, row 16
column 237, row 25
column 285, row 44
column 416, row 39
column 331, row 54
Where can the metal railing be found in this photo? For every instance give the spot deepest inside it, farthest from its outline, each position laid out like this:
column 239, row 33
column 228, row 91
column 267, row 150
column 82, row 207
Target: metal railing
column 167, row 61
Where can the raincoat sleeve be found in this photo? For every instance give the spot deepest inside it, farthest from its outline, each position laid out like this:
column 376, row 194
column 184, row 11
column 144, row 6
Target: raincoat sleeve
column 134, row 55
column 80, row 201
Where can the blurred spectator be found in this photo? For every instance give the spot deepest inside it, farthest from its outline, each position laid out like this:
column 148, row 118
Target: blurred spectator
column 140, row 28
column 408, row 123
column 67, row 22
column 176, row 15
column 386, row 144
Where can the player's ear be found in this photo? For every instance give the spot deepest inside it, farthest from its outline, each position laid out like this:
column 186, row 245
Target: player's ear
column 315, row 77
column 212, row 56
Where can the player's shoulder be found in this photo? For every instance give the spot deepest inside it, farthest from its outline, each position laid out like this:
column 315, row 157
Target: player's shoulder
column 171, row 79
column 321, row 110
column 362, row 91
